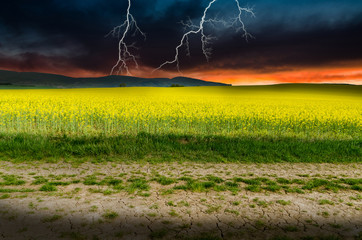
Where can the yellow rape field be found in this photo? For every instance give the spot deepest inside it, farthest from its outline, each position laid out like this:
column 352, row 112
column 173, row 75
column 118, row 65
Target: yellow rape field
column 201, row 111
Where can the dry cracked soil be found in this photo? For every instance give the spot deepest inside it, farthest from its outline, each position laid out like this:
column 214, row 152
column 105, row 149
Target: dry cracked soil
column 180, row 201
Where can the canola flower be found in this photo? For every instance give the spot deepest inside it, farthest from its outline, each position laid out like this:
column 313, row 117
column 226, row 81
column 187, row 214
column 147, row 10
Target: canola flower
column 197, row 111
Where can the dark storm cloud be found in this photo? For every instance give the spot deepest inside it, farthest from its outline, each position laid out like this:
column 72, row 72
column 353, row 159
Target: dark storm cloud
column 304, row 48
column 70, row 33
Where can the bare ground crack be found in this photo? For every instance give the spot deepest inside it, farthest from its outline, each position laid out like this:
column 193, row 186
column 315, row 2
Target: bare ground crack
column 303, row 212
column 219, row 228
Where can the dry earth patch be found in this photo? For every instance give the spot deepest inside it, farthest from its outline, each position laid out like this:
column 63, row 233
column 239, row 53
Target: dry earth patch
column 180, row 201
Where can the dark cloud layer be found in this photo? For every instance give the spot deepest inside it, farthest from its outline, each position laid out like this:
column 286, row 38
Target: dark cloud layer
column 51, row 35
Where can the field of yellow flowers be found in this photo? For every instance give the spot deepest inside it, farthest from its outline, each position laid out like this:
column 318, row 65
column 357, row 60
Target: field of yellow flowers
column 270, row 123
column 197, row 111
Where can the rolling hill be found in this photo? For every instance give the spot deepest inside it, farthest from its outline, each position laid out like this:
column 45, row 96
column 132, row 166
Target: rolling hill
column 10, row 79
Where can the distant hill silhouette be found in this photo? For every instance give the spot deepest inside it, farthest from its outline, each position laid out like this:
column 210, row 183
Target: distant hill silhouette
column 58, row 81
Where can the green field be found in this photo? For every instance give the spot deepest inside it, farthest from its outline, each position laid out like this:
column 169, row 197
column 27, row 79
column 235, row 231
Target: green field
column 284, row 123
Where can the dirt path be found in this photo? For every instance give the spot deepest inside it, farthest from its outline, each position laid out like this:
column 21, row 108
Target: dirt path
column 180, row 201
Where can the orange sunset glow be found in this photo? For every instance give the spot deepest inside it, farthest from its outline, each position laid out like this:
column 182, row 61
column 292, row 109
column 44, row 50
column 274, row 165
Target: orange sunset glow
column 337, row 75
column 313, row 75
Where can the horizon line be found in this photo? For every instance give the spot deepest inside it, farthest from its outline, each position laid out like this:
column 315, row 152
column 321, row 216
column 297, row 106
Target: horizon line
column 264, row 82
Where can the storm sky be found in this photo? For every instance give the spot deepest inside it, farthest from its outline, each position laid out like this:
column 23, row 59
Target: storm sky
column 295, row 41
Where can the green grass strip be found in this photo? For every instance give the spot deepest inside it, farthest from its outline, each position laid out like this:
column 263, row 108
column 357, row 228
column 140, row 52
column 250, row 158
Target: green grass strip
column 168, row 148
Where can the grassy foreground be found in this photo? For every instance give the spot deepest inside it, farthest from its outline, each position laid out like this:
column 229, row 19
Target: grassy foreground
column 164, row 148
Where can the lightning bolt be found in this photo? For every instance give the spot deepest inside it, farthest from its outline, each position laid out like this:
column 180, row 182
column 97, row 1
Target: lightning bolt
column 238, row 20
column 206, row 40
column 125, row 56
